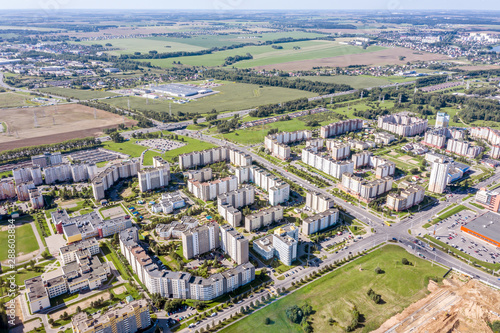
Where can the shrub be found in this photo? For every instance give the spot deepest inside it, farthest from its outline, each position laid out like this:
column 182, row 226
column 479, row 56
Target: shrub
column 405, row 261
column 267, row 321
column 378, row 270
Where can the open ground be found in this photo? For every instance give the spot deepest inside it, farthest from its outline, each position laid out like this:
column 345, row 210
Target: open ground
column 25, row 241
column 334, row 295
column 55, row 124
column 379, row 57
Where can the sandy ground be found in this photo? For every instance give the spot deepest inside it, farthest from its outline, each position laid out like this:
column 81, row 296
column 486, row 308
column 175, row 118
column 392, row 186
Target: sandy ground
column 405, row 158
column 456, row 306
column 119, row 290
column 413, row 162
column 65, row 122
column 383, row 57
column 83, row 305
column 113, row 212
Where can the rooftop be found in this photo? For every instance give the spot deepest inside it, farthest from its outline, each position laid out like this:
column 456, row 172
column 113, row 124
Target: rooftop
column 487, row 224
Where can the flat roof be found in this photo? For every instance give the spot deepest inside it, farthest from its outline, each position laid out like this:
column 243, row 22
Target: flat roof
column 487, row 225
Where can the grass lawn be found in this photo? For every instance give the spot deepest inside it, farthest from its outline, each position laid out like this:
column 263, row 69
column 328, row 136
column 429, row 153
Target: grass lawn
column 6, row 173
column 10, row 100
column 127, row 147
column 333, row 295
column 25, row 241
column 148, row 157
column 77, row 93
column 232, row 97
column 111, row 256
column 62, row 299
column 192, row 145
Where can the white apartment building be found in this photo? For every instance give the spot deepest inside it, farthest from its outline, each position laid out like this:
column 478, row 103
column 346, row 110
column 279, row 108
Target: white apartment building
column 442, row 120
column 263, row 218
column 57, row 173
column 439, row 177
column 339, row 150
column 463, row 148
column 341, row 127
column 326, row 163
column 410, row 196
column 318, row 202
column 402, row 124
column 210, row 190
column 278, row 190
column 277, row 144
column 364, row 189
column 321, row 221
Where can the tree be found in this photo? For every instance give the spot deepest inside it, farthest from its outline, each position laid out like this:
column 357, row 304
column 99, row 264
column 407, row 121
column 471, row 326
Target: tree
column 405, row 261
column 378, row 270
column 116, row 137
column 78, row 309
column 267, row 321
column 51, row 321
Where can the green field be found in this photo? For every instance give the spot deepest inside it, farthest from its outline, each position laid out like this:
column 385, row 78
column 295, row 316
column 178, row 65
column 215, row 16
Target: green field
column 127, row 147
column 192, row 145
column 144, row 45
column 266, row 55
column 148, row 157
column 232, row 97
column 209, row 41
column 11, row 100
column 25, row 241
column 333, row 295
column 77, row 93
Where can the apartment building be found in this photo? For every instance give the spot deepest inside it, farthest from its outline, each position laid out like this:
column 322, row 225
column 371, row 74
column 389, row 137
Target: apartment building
column 199, row 240
column 38, row 297
column 263, row 218
column 442, row 120
column 127, row 318
column 495, row 151
column 168, row 203
column 341, row 127
column 281, row 244
column 181, row 285
column 439, row 176
column 239, row 158
column 383, row 168
column 202, row 175
column 486, row 133
column 361, row 145
column 7, row 189
column 234, row 244
column 463, row 148
column 231, row 214
column 407, row 198
column 402, row 124
column 46, row 159
column 22, row 190
column 88, row 225
column 434, row 140
column 36, row 198
column 339, row 150
column 363, row 189
column 321, row 221
column 79, row 172
column 278, row 190
column 105, row 179
column 277, row 144
column 318, row 143
column 228, row 204
column 326, row 163
column 318, row 202
column 156, row 177
column 210, row 190
column 57, row 173
column 22, row 175
column 69, row 252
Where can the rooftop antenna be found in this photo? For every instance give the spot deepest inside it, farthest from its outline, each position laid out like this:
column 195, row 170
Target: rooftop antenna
column 34, row 118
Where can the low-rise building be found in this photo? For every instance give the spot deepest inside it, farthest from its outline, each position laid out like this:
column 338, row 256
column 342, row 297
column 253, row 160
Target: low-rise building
column 168, row 203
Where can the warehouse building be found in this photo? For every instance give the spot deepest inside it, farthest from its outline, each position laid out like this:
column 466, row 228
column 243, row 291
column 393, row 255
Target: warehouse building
column 485, row 227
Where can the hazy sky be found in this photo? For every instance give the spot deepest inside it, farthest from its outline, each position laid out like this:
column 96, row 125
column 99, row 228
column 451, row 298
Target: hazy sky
column 252, row 4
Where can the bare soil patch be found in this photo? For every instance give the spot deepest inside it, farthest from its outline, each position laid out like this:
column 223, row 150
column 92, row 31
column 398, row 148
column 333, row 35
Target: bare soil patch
column 54, row 124
column 383, row 57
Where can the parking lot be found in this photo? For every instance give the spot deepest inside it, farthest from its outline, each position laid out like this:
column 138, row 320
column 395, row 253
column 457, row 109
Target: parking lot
column 448, row 231
column 95, row 155
column 161, row 144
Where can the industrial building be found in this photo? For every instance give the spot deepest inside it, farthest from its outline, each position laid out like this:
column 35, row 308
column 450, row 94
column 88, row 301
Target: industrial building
column 486, row 227
column 180, row 90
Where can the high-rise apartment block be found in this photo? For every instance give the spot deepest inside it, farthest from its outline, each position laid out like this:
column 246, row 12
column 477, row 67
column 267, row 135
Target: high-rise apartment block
column 278, row 190
column 46, row 159
column 57, row 173
column 263, row 218
column 364, row 189
column 340, row 150
column 402, row 124
column 488, row 199
column 326, row 163
column 105, row 179
column 202, row 175
column 214, row 155
column 318, row 202
column 439, row 176
column 282, row 244
column 36, row 198
column 383, row 167
column 341, row 127
column 278, row 143
column 210, row 190
column 463, row 148
column 321, row 221
column 22, row 190
column 200, row 240
column 409, row 197
column 156, row 177
column 7, row 189
column 228, row 204
column 234, row 244
column 442, row 120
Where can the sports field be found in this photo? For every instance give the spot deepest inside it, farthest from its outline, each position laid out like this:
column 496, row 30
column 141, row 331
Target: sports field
column 25, row 241
column 54, row 124
column 232, row 97
column 333, row 295
column 77, row 93
column 266, row 55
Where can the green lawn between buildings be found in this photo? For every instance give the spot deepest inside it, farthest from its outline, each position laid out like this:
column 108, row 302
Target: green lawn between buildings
column 333, row 295
column 25, row 241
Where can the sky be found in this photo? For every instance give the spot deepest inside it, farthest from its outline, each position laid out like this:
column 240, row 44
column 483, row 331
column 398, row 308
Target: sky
column 252, row 4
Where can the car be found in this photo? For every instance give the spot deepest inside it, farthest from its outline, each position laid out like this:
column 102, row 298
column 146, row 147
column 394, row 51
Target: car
column 213, row 314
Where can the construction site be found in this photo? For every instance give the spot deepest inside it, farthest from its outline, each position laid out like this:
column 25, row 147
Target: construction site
column 458, row 304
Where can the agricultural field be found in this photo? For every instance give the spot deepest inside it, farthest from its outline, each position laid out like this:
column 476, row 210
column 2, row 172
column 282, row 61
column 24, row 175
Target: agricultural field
column 11, row 100
column 25, row 241
column 266, row 55
column 143, row 45
column 55, row 124
column 232, row 97
column 399, row 285
column 77, row 93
